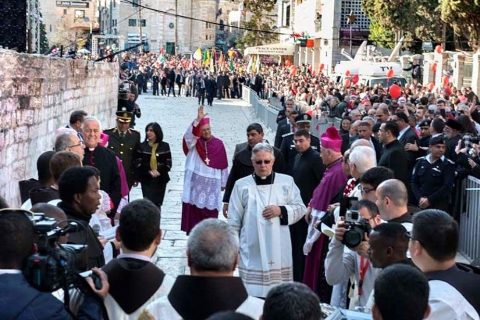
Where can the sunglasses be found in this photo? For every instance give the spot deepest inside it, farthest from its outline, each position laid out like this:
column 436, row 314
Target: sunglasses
column 263, row 161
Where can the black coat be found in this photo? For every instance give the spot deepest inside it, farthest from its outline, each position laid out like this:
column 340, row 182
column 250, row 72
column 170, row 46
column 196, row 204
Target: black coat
column 289, row 151
column 410, row 137
column 124, row 147
column 85, row 236
column 434, row 181
column 142, row 162
column 106, row 162
column 283, row 127
column 307, row 172
column 396, row 159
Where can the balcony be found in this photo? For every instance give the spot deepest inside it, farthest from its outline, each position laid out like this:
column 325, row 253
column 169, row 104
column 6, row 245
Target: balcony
column 81, row 23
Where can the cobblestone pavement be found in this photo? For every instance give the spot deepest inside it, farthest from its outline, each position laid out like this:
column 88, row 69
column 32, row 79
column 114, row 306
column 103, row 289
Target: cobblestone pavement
column 230, row 118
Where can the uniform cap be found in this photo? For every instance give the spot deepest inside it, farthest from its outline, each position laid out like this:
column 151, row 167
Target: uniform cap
column 124, row 116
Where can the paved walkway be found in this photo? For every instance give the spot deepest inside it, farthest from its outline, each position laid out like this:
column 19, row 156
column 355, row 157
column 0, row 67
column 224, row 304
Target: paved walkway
column 230, row 119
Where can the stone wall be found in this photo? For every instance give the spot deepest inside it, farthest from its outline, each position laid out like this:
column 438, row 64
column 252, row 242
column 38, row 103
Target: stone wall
column 37, row 95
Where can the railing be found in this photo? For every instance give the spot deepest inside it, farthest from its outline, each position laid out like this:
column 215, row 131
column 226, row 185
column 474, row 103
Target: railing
column 470, row 220
column 267, row 113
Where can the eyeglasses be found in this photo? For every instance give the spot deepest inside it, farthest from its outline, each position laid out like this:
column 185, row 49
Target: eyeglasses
column 76, row 145
column 259, row 162
column 366, row 190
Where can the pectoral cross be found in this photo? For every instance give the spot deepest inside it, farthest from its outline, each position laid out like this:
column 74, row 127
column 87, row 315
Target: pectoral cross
column 207, row 161
column 271, row 263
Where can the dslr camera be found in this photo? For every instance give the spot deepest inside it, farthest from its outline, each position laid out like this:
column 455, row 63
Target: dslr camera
column 354, row 223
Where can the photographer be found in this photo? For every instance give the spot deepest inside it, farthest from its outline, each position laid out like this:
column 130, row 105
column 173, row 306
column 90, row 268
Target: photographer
column 18, row 299
column 340, row 264
column 78, row 188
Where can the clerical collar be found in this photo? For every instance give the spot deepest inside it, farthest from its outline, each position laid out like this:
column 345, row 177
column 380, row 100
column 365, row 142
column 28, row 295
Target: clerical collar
column 264, row 180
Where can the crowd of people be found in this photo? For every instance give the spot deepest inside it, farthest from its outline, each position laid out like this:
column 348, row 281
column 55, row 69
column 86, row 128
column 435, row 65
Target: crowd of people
column 362, row 217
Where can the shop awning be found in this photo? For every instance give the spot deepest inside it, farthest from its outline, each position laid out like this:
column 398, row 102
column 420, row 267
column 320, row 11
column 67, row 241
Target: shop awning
column 274, row 49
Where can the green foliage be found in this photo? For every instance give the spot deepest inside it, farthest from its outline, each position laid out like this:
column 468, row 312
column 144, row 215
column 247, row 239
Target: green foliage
column 381, row 36
column 464, row 17
column 258, row 11
column 416, row 19
column 44, row 48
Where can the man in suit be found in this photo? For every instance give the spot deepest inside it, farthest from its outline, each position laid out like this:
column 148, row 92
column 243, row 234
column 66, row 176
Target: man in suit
column 364, row 131
column 171, row 82
column 307, row 171
column 288, row 148
column 123, row 141
column 452, row 131
column 394, row 156
column 406, row 135
column 350, row 137
column 285, row 126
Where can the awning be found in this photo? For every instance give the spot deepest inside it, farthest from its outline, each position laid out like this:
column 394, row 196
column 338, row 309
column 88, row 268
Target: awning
column 274, row 49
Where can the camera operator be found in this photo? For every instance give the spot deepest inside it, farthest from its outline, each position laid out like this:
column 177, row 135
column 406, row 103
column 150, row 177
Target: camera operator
column 340, row 264
column 18, row 299
column 78, row 189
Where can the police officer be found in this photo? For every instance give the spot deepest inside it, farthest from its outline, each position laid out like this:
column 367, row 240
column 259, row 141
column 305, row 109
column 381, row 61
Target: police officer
column 287, row 147
column 433, row 177
column 123, row 141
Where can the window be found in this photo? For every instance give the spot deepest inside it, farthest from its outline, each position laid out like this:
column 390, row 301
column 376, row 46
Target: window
column 206, row 37
column 287, row 16
column 79, row 14
column 135, row 3
column 114, row 22
column 143, row 23
column 132, row 22
column 64, row 11
column 114, row 3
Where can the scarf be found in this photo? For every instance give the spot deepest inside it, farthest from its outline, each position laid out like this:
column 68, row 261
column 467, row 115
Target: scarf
column 153, row 156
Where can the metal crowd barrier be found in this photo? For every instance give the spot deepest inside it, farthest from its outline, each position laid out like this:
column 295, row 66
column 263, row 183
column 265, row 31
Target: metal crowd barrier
column 470, row 220
column 267, row 113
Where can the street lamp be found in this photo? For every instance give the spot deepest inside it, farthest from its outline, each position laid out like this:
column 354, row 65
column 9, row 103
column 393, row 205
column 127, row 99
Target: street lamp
column 351, row 18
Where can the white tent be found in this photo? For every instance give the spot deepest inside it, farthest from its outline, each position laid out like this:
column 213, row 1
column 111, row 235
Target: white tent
column 274, row 49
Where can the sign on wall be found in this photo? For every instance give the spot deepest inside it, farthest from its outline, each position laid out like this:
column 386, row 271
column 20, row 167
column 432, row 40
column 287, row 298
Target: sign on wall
column 72, row 4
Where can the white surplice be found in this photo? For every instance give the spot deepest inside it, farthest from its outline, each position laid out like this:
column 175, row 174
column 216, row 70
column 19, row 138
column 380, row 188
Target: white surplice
column 265, row 247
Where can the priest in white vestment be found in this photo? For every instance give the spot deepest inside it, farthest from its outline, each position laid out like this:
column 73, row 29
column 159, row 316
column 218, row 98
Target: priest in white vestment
column 261, row 208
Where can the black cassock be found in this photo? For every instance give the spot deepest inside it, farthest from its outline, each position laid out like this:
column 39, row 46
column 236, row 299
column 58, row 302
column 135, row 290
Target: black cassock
column 290, row 152
column 106, row 162
column 307, row 172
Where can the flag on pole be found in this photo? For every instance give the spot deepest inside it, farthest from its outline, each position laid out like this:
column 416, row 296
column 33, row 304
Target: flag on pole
column 250, row 63
column 257, row 65
column 212, row 61
column 231, row 66
column 198, row 54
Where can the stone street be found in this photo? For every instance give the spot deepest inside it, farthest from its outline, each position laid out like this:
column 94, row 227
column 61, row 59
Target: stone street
column 230, row 119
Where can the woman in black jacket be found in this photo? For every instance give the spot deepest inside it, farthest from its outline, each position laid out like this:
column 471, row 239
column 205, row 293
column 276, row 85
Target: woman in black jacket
column 153, row 162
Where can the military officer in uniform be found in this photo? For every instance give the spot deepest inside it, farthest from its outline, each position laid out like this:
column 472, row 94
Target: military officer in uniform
column 287, row 147
column 433, row 177
column 123, row 141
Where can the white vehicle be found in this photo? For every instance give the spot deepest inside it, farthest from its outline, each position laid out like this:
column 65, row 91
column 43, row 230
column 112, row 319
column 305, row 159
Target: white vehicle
column 368, row 70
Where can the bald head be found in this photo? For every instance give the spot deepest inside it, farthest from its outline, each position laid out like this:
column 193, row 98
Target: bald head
column 395, row 190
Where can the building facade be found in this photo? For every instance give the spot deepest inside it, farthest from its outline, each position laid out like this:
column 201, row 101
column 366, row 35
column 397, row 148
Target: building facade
column 163, row 27
column 325, row 21
column 69, row 22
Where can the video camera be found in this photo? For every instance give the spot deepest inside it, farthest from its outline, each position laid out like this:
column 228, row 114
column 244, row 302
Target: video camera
column 354, row 223
column 54, row 265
